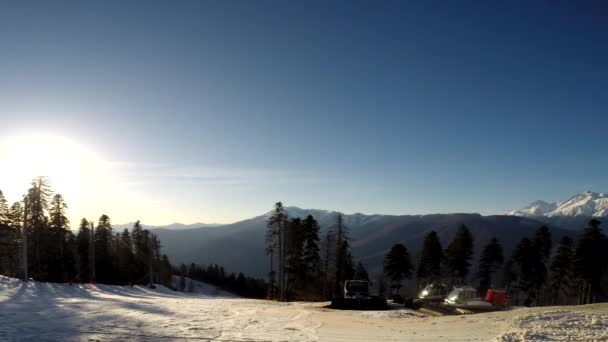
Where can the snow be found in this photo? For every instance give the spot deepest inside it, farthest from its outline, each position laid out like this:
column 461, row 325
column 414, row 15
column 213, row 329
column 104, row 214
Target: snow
column 586, row 204
column 36, row 311
column 558, row 326
column 201, row 289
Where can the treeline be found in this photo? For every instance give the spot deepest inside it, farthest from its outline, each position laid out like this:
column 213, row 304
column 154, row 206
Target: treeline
column 35, row 237
column 302, row 265
column 238, row 284
column 305, row 266
column 536, row 273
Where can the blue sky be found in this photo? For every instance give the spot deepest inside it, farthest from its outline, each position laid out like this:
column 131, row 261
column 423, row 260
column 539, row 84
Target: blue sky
column 217, row 109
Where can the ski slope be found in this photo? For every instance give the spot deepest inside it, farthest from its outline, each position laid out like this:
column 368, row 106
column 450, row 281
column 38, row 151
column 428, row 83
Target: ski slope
column 59, row 312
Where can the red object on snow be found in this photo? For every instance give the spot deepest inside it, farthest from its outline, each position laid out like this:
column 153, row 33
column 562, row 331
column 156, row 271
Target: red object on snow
column 496, row 297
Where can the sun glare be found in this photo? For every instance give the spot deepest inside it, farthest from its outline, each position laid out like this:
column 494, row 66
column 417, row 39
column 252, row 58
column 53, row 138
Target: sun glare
column 69, row 167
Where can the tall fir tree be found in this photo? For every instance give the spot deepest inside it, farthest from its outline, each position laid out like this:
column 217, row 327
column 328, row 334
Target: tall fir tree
column 590, row 260
column 360, row 272
column 37, row 201
column 59, row 255
column 311, row 255
column 490, row 262
column 398, row 265
column 431, row 256
column 83, row 244
column 275, row 233
column 458, row 255
column 561, row 280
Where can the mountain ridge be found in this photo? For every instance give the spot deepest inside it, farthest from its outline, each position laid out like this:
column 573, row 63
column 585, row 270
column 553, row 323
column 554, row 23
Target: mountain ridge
column 585, row 204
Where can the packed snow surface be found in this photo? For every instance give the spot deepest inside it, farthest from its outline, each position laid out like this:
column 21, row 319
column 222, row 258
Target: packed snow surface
column 36, row 311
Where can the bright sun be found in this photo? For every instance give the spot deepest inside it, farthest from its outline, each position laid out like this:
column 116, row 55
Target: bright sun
column 68, row 166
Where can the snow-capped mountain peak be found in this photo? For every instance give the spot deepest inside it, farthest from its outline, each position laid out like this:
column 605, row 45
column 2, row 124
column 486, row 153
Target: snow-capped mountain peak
column 586, row 203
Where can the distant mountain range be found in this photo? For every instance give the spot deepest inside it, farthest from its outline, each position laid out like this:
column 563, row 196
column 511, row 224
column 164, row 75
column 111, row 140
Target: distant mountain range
column 588, row 204
column 572, row 213
column 174, row 226
column 240, row 246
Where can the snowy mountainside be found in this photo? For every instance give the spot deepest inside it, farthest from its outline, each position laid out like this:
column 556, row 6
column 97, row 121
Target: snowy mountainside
column 589, row 204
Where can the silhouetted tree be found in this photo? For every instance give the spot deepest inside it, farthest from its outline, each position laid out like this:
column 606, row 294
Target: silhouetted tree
column 560, row 273
column 398, row 265
column 276, row 227
column 458, row 255
column 590, row 259
column 490, row 261
column 361, row 272
column 431, row 256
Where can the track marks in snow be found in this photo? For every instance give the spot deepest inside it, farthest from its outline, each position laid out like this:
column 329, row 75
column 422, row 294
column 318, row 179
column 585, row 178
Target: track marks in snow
column 557, row 326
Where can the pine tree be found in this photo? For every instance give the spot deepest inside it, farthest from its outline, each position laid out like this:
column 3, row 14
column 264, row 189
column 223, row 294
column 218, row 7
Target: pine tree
column 344, row 265
column 103, row 251
column 560, row 272
column 275, row 236
column 329, row 262
column 431, row 256
column 37, row 201
column 398, row 265
column 311, row 255
column 490, row 261
column 361, row 272
column 525, row 256
column 458, row 255
column 9, row 236
column 590, row 258
column 295, row 269
column 542, row 245
column 83, row 241
column 126, row 257
column 57, row 236
column 4, row 210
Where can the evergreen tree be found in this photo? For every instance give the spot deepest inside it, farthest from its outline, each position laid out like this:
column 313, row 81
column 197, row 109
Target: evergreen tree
column 329, row 262
column 311, row 255
column 4, row 210
column 431, row 256
column 490, row 261
column 275, row 239
column 398, row 265
column 103, row 251
column 458, row 255
column 525, row 256
column 345, row 266
column 126, row 259
column 295, row 268
column 57, row 235
column 542, row 245
column 15, row 217
column 9, row 237
column 560, row 272
column 590, row 258
column 361, row 272
column 83, row 243
column 37, row 202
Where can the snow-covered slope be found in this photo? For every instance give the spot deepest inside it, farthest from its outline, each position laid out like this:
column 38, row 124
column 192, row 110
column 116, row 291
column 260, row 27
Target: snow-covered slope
column 589, row 204
column 200, row 288
column 59, row 312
